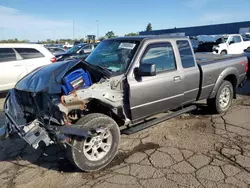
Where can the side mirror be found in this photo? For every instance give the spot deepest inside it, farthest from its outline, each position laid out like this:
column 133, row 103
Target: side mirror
column 146, row 70
column 231, row 42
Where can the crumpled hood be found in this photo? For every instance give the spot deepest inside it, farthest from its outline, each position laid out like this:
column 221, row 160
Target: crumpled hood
column 47, row 78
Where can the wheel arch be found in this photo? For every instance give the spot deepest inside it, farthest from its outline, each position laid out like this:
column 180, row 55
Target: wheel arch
column 224, row 50
column 229, row 74
column 116, row 113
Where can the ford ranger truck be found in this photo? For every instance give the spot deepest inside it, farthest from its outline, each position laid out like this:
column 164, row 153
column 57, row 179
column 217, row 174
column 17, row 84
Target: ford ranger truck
column 129, row 80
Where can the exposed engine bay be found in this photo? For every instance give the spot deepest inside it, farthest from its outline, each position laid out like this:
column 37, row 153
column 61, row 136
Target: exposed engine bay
column 46, row 104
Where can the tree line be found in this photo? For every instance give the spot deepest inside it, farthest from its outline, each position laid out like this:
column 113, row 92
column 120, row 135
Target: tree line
column 109, row 34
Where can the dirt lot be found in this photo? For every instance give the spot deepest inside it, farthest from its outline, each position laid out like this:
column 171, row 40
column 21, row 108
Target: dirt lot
column 197, row 150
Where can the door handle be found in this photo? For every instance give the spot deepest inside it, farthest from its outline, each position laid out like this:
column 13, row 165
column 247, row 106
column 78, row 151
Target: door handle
column 17, row 65
column 177, row 78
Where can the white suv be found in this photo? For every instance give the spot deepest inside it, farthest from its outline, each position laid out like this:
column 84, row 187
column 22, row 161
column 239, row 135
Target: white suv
column 17, row 60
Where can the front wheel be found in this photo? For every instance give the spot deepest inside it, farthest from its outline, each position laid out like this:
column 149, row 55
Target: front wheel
column 94, row 153
column 223, row 99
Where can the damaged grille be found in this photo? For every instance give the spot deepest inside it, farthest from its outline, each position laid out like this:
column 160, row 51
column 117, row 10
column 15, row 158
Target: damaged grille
column 38, row 105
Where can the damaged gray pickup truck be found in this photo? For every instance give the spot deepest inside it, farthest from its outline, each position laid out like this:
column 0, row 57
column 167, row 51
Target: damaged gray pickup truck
column 86, row 105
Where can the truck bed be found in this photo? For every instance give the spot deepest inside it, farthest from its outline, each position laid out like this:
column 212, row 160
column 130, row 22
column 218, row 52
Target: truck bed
column 203, row 58
column 212, row 66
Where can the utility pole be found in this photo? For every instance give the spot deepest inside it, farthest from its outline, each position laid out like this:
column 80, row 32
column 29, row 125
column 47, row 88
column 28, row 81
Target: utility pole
column 73, row 30
column 97, row 27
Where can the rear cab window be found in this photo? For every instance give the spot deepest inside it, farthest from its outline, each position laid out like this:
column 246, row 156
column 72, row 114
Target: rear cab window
column 160, row 54
column 7, row 54
column 187, row 58
column 29, row 53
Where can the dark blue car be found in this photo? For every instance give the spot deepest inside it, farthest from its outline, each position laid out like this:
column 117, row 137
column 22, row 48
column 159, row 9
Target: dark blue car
column 79, row 51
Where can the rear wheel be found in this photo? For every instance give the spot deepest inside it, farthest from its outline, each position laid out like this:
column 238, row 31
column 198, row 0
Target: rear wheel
column 96, row 152
column 223, row 99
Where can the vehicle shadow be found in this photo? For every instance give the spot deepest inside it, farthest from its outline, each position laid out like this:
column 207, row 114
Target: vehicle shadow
column 16, row 151
column 202, row 110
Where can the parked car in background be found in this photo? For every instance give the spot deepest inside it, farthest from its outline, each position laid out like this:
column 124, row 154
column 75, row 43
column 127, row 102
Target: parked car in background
column 78, row 42
column 17, row 60
column 55, row 50
column 246, row 36
column 195, row 44
column 208, row 45
column 231, row 44
column 67, row 46
column 53, row 45
column 79, row 51
column 205, row 47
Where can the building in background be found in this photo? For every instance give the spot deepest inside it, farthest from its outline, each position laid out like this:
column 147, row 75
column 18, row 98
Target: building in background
column 216, row 29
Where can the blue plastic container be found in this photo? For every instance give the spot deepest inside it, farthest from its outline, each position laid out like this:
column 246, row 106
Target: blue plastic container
column 76, row 80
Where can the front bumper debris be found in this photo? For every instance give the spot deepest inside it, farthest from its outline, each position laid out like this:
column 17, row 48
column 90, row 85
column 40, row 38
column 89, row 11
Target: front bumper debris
column 35, row 132
column 32, row 133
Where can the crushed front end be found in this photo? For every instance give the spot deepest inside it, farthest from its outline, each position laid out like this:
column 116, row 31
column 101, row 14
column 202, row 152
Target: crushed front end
column 41, row 112
column 17, row 121
column 37, row 120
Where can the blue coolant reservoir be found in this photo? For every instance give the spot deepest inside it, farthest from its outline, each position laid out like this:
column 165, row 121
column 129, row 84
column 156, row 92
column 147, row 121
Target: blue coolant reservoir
column 77, row 79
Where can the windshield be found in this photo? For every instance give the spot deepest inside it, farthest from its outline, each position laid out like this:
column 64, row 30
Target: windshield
column 114, row 55
column 75, row 48
column 225, row 39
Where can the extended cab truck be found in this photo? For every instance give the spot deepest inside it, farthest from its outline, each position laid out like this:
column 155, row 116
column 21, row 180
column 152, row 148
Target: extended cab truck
column 132, row 79
column 231, row 44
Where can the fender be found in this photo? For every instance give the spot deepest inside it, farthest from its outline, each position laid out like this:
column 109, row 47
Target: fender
column 222, row 47
column 228, row 71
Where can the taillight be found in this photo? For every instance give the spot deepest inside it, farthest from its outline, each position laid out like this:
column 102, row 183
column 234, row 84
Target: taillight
column 246, row 68
column 53, row 59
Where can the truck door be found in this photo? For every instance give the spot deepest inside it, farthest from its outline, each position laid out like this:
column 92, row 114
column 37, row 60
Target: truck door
column 191, row 71
column 152, row 94
column 235, row 45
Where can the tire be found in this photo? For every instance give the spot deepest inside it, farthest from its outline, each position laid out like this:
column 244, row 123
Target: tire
column 84, row 160
column 219, row 104
column 223, row 52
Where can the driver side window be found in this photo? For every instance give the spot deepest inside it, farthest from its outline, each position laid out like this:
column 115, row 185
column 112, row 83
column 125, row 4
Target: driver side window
column 160, row 54
column 230, row 40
